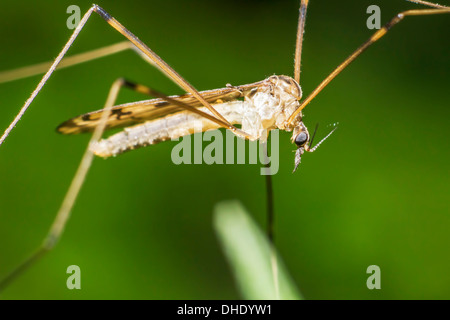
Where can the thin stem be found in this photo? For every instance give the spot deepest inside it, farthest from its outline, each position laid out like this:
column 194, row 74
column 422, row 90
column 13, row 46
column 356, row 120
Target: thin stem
column 271, row 222
column 269, row 203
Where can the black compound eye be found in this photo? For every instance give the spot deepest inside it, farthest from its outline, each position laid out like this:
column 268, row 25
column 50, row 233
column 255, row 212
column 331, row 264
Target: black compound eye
column 301, row 139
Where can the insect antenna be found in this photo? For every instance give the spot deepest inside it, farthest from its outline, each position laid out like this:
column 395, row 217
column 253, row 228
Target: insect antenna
column 320, row 142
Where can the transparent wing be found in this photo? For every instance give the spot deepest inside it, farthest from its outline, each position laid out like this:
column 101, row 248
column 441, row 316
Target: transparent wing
column 145, row 110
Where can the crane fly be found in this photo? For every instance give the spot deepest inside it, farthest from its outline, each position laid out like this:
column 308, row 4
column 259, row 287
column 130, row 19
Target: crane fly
column 273, row 103
column 267, row 105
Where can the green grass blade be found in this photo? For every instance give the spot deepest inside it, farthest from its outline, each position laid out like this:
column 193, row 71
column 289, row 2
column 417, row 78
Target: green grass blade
column 251, row 257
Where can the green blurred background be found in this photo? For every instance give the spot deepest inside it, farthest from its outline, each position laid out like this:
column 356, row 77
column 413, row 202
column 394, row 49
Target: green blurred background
column 375, row 193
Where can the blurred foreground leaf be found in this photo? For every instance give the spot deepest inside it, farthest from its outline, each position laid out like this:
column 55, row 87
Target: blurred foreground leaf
column 251, row 256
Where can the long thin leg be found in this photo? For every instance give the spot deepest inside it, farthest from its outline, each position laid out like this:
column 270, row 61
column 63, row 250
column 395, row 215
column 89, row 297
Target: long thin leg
column 270, row 212
column 375, row 37
column 269, row 191
column 271, row 222
column 160, row 63
column 40, row 68
column 28, row 71
column 299, row 43
column 63, row 214
column 64, row 211
column 151, row 92
column 152, row 57
column 429, row 4
column 47, row 75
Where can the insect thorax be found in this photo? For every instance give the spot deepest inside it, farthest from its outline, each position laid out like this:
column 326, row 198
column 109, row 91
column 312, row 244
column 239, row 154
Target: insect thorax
column 270, row 105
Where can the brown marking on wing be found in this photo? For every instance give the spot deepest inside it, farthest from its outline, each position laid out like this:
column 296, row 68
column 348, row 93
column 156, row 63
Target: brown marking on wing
column 141, row 111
